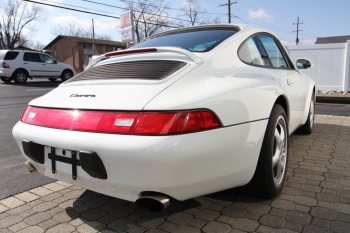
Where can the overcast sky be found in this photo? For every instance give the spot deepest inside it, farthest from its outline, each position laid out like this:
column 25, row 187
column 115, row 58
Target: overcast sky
column 320, row 18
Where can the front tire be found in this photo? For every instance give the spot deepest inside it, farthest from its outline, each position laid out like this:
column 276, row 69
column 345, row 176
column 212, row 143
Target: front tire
column 271, row 170
column 66, row 74
column 20, row 77
column 6, row 79
column 308, row 127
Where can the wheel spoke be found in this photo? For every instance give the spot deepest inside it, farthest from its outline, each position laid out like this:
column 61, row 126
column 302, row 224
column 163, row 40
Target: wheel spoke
column 282, row 134
column 277, row 137
column 276, row 158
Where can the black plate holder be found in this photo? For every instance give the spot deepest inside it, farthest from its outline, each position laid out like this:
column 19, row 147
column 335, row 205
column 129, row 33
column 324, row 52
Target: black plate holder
column 62, row 159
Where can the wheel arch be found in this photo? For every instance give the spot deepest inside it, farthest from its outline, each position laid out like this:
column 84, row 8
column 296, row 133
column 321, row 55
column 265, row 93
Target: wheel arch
column 19, row 69
column 283, row 101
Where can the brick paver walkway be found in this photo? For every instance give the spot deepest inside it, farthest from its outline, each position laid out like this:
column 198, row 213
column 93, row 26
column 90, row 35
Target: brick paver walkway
column 316, row 198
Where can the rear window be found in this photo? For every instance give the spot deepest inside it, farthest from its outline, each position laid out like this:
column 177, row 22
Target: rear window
column 193, row 41
column 11, row 55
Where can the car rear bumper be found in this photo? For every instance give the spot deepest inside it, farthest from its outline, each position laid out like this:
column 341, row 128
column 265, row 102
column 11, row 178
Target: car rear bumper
column 6, row 72
column 181, row 166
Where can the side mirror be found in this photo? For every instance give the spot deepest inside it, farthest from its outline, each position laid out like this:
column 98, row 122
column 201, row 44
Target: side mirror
column 303, row 64
column 55, row 61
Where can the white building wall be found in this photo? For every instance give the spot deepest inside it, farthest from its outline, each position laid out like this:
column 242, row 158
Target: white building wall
column 331, row 64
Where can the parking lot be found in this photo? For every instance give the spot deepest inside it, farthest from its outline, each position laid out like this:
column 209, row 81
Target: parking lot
column 316, row 198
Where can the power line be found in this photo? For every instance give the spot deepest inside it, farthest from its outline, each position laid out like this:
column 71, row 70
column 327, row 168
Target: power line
column 164, row 16
column 258, row 9
column 284, row 11
column 88, row 12
column 78, row 7
column 309, row 30
column 67, row 8
column 176, row 9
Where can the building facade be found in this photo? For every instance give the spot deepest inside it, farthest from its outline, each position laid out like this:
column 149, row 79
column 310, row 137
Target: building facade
column 76, row 51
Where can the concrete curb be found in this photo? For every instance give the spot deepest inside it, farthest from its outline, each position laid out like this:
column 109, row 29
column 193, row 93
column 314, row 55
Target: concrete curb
column 335, row 99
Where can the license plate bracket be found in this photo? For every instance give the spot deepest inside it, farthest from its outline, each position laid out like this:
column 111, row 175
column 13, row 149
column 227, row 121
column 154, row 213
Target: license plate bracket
column 74, row 161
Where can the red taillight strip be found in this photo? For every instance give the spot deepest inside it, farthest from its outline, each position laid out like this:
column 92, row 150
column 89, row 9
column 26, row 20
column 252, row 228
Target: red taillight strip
column 137, row 123
column 5, row 65
column 110, row 54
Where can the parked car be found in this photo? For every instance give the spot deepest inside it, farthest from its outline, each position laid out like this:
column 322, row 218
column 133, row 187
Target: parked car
column 19, row 65
column 184, row 113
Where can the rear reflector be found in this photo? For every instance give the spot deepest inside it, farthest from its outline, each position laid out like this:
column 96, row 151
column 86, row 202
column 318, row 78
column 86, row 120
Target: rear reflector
column 136, row 123
column 111, row 54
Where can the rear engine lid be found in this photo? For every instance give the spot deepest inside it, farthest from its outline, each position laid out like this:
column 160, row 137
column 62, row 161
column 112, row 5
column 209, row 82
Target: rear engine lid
column 126, row 85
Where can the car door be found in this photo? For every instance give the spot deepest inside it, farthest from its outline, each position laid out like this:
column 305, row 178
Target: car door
column 32, row 62
column 49, row 66
column 294, row 82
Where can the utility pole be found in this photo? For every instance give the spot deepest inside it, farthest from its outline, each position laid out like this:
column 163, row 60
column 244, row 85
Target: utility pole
column 93, row 38
column 297, row 31
column 229, row 9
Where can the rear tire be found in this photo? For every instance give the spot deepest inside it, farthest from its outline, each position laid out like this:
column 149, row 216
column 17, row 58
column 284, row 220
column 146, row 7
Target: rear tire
column 52, row 79
column 6, row 79
column 271, row 170
column 66, row 74
column 308, row 127
column 20, row 77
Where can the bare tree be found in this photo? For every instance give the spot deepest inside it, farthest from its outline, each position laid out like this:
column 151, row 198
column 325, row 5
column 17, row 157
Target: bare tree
column 24, row 41
column 73, row 29
column 150, row 17
column 15, row 16
column 37, row 46
column 195, row 14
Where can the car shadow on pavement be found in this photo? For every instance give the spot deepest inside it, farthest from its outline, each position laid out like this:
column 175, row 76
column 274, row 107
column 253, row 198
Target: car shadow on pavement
column 100, row 212
column 316, row 197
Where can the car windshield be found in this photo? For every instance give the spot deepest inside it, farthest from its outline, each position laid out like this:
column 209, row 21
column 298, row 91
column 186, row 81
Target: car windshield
column 193, row 41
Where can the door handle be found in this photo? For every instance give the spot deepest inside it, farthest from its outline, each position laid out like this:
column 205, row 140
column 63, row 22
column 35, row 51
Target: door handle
column 43, row 64
column 25, row 63
column 290, row 81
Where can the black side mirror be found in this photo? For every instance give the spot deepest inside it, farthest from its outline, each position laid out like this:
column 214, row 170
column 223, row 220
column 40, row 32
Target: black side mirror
column 303, row 64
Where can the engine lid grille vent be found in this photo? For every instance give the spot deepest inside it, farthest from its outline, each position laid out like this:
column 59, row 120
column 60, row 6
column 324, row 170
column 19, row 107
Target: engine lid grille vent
column 146, row 70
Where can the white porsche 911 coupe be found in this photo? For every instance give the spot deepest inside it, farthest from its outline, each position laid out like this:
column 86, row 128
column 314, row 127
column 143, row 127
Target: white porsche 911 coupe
column 184, row 113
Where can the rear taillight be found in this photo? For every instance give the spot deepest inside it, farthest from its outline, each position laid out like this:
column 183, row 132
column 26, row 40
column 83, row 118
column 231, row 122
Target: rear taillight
column 137, row 123
column 5, row 65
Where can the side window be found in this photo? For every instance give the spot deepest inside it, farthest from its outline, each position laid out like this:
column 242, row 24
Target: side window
column 11, row 55
column 33, row 57
column 46, row 59
column 252, row 52
column 273, row 51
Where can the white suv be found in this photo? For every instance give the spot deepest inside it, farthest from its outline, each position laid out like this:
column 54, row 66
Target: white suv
column 18, row 65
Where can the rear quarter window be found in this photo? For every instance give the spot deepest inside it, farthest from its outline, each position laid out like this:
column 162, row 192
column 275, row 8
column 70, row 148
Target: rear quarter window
column 11, row 55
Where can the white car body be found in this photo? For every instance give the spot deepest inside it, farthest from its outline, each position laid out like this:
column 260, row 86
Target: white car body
column 181, row 166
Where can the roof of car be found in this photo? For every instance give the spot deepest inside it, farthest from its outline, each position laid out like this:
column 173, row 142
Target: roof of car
column 238, row 27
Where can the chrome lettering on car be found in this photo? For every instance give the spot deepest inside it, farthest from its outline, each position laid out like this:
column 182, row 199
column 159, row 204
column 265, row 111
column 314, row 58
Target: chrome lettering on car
column 81, row 95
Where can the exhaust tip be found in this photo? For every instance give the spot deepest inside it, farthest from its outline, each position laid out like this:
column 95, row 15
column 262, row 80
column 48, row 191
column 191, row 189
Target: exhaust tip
column 152, row 203
column 30, row 167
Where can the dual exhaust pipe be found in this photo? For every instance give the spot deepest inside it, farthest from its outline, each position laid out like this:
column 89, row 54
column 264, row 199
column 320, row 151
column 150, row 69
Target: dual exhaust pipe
column 153, row 202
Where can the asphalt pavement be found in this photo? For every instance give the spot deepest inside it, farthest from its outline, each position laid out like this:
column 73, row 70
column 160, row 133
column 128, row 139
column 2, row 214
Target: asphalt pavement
column 13, row 100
